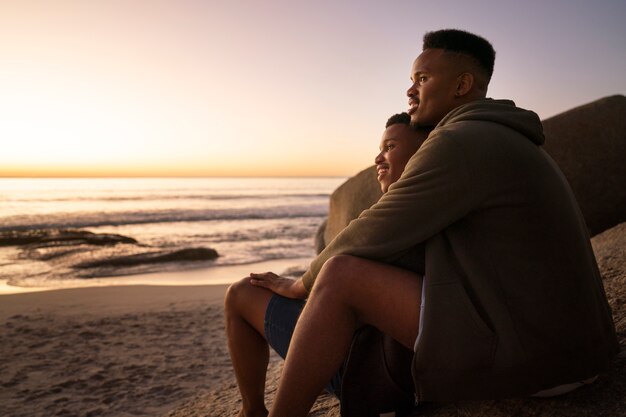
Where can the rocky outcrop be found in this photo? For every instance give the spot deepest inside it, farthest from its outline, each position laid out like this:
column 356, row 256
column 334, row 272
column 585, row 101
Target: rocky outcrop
column 589, row 145
column 346, row 203
column 587, row 142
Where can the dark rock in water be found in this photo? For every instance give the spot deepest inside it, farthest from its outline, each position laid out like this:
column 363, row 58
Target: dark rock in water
column 60, row 237
column 589, row 145
column 183, row 255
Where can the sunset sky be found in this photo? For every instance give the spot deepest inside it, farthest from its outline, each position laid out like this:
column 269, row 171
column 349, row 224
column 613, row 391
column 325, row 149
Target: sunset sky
column 274, row 87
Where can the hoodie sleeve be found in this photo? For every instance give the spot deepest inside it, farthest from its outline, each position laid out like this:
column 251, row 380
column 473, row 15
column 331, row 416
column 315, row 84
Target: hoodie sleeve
column 432, row 193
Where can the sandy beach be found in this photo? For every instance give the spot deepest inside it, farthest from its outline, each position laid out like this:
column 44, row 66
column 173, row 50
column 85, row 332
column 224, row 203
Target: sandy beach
column 110, row 351
column 123, row 350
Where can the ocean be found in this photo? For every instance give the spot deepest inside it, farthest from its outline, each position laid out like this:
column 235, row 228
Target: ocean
column 57, row 231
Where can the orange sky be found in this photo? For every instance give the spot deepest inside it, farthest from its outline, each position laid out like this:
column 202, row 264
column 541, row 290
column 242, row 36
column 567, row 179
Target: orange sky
column 141, row 87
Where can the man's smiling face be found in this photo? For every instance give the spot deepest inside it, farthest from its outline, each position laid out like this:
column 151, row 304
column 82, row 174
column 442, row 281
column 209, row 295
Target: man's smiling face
column 398, row 144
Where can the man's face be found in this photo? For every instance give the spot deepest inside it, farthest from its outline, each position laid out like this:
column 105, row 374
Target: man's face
column 398, row 144
column 432, row 94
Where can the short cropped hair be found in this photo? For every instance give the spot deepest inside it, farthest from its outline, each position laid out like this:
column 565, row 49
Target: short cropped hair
column 402, row 118
column 405, row 119
column 462, row 42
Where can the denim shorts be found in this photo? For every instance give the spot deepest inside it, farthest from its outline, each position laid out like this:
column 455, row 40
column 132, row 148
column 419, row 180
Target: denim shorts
column 280, row 320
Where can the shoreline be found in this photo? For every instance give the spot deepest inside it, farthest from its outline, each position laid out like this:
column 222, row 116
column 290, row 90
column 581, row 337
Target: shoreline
column 214, row 275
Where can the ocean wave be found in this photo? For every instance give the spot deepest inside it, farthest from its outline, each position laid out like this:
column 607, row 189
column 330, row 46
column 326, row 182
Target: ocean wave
column 168, row 197
column 96, row 219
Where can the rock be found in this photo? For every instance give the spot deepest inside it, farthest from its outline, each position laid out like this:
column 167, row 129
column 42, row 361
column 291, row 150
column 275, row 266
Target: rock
column 347, row 202
column 320, row 243
column 60, row 237
column 589, row 145
column 587, row 142
column 182, row 255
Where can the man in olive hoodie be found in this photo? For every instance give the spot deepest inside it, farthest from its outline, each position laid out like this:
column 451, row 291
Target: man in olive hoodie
column 511, row 302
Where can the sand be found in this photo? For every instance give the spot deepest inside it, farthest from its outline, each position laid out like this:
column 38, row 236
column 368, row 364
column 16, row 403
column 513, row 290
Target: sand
column 110, row 351
column 124, row 350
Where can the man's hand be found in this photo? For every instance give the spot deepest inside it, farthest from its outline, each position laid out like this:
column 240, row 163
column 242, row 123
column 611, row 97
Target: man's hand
column 290, row 288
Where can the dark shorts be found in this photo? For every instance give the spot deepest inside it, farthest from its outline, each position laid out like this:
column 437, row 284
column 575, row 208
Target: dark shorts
column 280, row 320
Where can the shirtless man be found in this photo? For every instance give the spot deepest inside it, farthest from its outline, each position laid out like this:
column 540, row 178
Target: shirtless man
column 263, row 309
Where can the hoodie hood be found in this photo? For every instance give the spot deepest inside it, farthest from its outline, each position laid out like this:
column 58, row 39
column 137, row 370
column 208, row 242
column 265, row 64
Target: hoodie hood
column 503, row 112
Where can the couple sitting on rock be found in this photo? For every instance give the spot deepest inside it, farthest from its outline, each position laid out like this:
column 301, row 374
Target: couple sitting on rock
column 477, row 259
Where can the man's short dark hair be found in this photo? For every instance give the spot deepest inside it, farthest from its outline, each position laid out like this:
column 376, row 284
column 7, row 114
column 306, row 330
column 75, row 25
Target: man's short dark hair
column 402, row 118
column 405, row 119
column 462, row 42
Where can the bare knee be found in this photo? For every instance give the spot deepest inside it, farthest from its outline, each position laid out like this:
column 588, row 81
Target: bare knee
column 338, row 272
column 236, row 295
column 247, row 302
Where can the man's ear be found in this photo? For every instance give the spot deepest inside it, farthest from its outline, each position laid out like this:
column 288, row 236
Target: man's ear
column 464, row 84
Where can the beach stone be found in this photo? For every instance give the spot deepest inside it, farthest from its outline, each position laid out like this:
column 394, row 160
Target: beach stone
column 346, row 203
column 320, row 243
column 60, row 237
column 181, row 255
column 589, row 145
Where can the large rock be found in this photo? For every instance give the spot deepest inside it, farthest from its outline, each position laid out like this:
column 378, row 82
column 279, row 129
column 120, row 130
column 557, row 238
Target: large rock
column 587, row 142
column 589, row 145
column 347, row 202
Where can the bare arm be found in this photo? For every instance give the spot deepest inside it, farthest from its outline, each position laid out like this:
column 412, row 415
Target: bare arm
column 287, row 287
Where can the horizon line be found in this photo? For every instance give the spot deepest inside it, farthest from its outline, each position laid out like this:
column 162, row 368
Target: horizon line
column 164, row 176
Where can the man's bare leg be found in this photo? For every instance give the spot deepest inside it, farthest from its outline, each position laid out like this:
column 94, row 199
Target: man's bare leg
column 349, row 292
column 245, row 307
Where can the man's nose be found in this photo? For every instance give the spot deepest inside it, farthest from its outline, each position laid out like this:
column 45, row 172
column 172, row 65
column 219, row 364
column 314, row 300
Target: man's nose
column 411, row 91
column 379, row 158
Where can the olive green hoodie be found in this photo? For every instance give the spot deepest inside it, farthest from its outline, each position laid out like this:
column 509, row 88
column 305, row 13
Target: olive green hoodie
column 512, row 300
